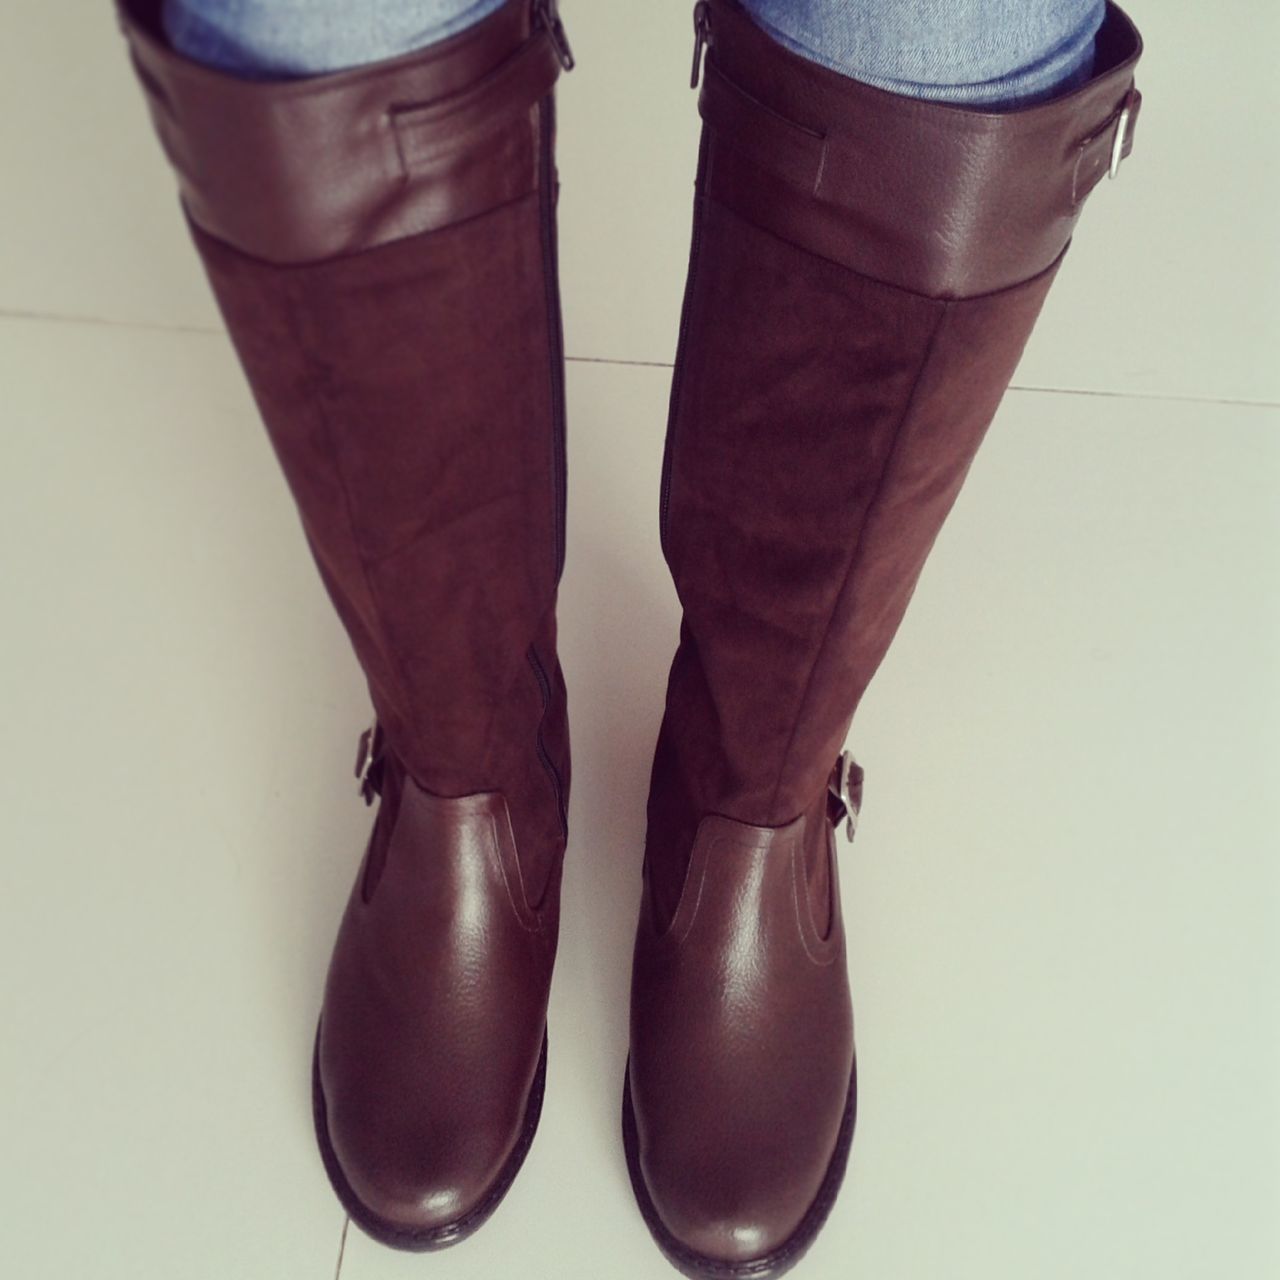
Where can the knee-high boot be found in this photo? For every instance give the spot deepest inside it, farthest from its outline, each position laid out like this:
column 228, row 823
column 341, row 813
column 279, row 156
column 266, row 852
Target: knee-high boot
column 382, row 244
column 865, row 270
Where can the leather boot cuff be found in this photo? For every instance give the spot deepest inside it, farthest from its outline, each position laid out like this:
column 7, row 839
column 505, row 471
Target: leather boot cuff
column 298, row 170
column 943, row 200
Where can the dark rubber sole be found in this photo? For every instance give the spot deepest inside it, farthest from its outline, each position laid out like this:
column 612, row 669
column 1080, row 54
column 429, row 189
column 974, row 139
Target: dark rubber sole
column 424, row 1240
column 697, row 1266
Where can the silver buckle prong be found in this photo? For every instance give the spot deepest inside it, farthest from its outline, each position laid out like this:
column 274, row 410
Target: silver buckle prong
column 366, row 758
column 1117, row 145
column 847, row 774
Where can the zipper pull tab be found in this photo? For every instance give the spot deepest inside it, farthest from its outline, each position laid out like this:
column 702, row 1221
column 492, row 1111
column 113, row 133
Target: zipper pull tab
column 701, row 36
column 549, row 13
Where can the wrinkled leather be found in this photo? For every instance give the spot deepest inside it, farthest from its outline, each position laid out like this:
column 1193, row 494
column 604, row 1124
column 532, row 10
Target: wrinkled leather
column 856, row 305
column 741, row 1040
column 401, row 336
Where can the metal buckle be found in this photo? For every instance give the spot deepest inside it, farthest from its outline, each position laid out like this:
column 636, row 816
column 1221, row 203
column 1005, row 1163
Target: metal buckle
column 1122, row 136
column 365, row 760
column 846, row 786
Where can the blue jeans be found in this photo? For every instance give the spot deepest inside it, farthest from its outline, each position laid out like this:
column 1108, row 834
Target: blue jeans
column 984, row 52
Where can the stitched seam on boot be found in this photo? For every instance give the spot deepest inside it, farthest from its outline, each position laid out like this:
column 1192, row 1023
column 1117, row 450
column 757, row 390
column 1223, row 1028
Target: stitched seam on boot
column 855, row 555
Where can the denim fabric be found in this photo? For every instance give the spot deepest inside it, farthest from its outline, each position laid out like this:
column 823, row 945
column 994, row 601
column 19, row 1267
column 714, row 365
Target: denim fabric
column 990, row 53
column 275, row 39
column 985, row 52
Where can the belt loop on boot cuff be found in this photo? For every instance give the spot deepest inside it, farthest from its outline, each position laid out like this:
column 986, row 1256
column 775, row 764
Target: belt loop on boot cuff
column 426, row 132
column 792, row 151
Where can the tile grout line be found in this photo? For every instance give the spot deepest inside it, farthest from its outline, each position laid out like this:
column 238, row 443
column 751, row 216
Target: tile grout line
column 1013, row 386
column 342, row 1247
column 148, row 326
column 637, row 364
column 1147, row 395
column 210, row 332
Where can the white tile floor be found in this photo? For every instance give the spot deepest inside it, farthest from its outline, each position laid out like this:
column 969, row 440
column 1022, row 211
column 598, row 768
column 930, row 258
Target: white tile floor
column 1065, row 896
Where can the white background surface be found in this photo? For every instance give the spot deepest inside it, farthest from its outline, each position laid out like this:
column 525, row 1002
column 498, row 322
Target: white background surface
column 1064, row 898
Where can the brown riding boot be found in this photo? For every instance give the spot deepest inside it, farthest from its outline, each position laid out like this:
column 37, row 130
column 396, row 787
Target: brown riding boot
column 865, row 270
column 382, row 243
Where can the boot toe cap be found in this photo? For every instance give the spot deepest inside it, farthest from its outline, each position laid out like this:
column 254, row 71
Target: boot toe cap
column 420, row 1182
column 431, row 1201
column 729, row 1220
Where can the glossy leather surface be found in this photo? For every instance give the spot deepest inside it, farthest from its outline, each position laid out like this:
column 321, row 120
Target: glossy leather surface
column 944, row 200
column 434, row 1009
column 297, row 170
column 742, row 1040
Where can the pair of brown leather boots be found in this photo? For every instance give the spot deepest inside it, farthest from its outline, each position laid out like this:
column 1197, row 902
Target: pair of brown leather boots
column 865, row 270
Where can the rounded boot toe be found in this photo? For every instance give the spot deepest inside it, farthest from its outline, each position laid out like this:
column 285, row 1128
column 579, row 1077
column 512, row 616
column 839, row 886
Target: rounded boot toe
column 424, row 1184
column 735, row 1222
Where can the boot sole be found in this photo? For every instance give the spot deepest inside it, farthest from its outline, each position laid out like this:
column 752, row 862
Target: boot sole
column 697, row 1266
column 425, row 1239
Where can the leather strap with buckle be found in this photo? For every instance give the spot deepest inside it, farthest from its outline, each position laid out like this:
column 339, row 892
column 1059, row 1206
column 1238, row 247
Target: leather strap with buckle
column 845, row 790
column 369, row 762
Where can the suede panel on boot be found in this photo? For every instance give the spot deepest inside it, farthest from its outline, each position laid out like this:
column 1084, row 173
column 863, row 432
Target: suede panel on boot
column 805, row 488
column 426, row 494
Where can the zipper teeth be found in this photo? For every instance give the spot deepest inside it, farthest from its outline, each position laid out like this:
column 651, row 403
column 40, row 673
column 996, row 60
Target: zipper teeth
column 555, row 342
column 701, row 33
column 544, row 686
column 548, row 12
column 677, row 376
column 555, row 334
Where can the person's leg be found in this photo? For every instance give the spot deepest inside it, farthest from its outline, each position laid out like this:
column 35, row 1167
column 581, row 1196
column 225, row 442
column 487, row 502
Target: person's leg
column 864, row 271
column 382, row 245
column 991, row 53
column 275, row 39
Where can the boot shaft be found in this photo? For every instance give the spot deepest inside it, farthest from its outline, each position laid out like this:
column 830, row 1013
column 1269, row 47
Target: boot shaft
column 382, row 244
column 864, row 273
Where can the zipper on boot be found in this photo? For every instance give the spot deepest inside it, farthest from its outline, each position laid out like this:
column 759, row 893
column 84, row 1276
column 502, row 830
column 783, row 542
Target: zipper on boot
column 701, row 38
column 549, row 16
column 557, row 784
column 548, row 193
column 555, row 332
